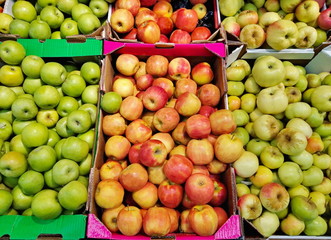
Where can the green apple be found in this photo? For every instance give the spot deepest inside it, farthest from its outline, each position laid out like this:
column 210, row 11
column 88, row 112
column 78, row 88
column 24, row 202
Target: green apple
column 62, row 128
column 290, row 141
column 6, row 200
column 241, row 117
column 267, row 223
column 18, row 125
column 298, row 190
column 66, row 5
column 88, row 137
column 18, row 91
column 12, row 52
column 251, row 86
column 44, row 3
column 78, row 10
column 73, row 85
column 300, row 125
column 292, row 226
column 320, row 201
column 268, row 71
column 242, row 134
column 99, row 8
column 45, row 204
column 69, row 27
column 31, row 66
column 13, row 164
column 316, row 227
column 20, row 28
column 35, row 135
column 75, row 149
column 5, row 21
column 24, row 10
column 67, row 105
column 11, row 76
column 320, row 98
column 79, row 121
column 256, row 146
column 31, row 84
column 91, row 109
column 304, row 159
column 10, row 182
column 91, row 94
column 324, row 129
column 322, row 160
column 27, row 212
column 327, row 80
column 111, row 102
column 266, row 127
column 17, row 145
column 42, row 158
column 248, row 102
column 290, row 174
column 85, row 165
column 324, row 187
column 314, row 80
column 40, row 29
column 46, row 97
column 6, row 129
column 268, row 96
column 53, row 137
column 291, row 76
column 302, row 83
column 53, row 73
column 315, row 119
column 21, row 201
column 7, row 114
column 303, row 208
column 49, row 182
column 84, row 180
column 235, row 88
column 312, row 176
column 48, row 117
column 7, row 97
column 65, row 171
column 56, row 35
column 282, row 34
column 272, row 157
column 52, row 16
column 31, row 182
column 73, row 196
column 91, row 72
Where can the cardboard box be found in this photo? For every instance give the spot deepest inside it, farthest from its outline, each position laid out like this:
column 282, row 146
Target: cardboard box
column 65, row 226
column 218, row 33
column 214, row 54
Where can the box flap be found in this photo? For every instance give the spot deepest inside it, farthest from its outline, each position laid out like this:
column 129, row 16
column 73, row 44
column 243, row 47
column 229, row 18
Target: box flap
column 203, row 49
column 287, row 54
column 30, row 227
column 321, row 62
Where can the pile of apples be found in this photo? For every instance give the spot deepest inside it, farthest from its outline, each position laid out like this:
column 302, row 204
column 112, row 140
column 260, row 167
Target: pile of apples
column 283, row 116
column 54, row 19
column 277, row 24
column 152, row 21
column 47, row 118
column 165, row 136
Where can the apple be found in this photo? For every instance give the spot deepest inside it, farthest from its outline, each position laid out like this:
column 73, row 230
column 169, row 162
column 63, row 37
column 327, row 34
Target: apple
column 52, row 16
column 45, row 204
column 274, row 197
column 68, row 27
column 292, row 226
column 186, row 19
column 246, row 165
column 179, row 68
column 202, row 73
column 111, row 169
column 6, row 21
column 200, row 9
column 156, row 222
column 222, row 122
column 200, row 151
column 180, row 36
column 198, row 126
column 132, row 6
column 323, row 19
column 184, row 222
column 39, row 29
column 13, row 164
column 144, row 14
column 109, row 194
column 307, row 12
column 250, row 206
column 199, row 188
column 148, row 32
column 319, row 98
column 170, row 194
column 154, row 98
column 203, row 220
column 290, row 174
column 303, row 208
column 109, row 218
column 267, row 223
column 53, row 73
column 220, row 194
column 166, row 139
column 12, row 52
column 11, row 76
column 66, row 105
column 166, row 119
column 133, row 177
column 117, row 147
column 73, row 196
column 138, row 131
column 312, row 176
column 152, row 153
column 185, row 85
column 166, row 84
column 178, row 168
column 253, row 35
column 224, row 152
column 24, row 11
column 129, row 220
column 147, row 196
column 131, row 108
column 290, row 141
column 42, row 158
column 271, row 157
column 316, row 227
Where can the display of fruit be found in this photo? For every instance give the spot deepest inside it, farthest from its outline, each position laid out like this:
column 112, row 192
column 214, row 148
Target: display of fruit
column 163, row 21
column 277, row 24
column 54, row 19
column 283, row 115
column 48, row 111
column 164, row 133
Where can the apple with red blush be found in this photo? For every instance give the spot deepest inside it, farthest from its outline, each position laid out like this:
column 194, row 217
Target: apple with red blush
column 198, row 126
column 178, row 168
column 199, row 188
column 152, row 153
column 180, row 36
column 185, row 85
column 170, row 194
column 155, row 98
column 138, row 131
column 200, row 34
column 209, row 95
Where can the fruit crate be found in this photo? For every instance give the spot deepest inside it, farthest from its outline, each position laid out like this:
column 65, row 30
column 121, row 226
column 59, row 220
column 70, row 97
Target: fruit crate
column 65, row 226
column 212, row 21
column 312, row 63
column 214, row 54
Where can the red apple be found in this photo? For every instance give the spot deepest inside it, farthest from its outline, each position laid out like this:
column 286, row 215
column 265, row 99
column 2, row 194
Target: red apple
column 152, row 153
column 147, row 3
column 184, row 222
column 200, row 169
column 187, row 20
column 133, row 154
column 163, row 8
column 228, row 148
column 324, row 19
column 198, row 126
column 209, row 95
column 200, row 151
column 157, row 65
column 179, row 68
column 166, row 84
column 144, row 81
column 188, row 104
column 178, row 168
column 147, row 196
column 156, row 222
column 117, row 147
column 222, row 121
column 199, row 188
column 206, row 110
column 170, row 194
column 131, row 108
column 185, row 85
column 140, row 95
column 166, row 139
column 133, row 177
column 113, row 124
column 166, row 25
column 174, row 219
column 166, row 119
column 203, row 220
column 202, row 73
column 180, row 36
column 129, row 221
column 222, row 216
column 200, row 33
column 180, row 135
column 138, row 131
column 155, row 98
column 148, row 32
column 132, row 35
column 220, row 194
column 164, row 38
column 232, row 27
column 131, row 5
column 143, row 15
column 193, row 2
